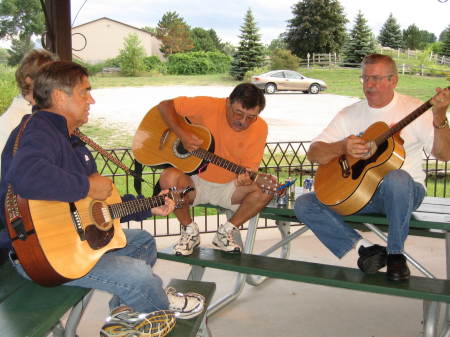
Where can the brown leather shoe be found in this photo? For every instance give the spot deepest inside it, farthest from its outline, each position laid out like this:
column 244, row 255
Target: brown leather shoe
column 397, row 268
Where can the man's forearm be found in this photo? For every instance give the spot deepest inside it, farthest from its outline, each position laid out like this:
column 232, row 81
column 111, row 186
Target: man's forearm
column 323, row 153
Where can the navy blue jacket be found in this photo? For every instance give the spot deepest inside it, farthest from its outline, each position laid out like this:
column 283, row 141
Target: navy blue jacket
column 49, row 164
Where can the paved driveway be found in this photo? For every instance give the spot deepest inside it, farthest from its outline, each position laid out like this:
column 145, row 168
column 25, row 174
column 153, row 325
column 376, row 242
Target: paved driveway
column 291, row 116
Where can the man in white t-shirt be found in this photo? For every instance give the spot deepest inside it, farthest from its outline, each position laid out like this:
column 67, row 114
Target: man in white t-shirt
column 402, row 190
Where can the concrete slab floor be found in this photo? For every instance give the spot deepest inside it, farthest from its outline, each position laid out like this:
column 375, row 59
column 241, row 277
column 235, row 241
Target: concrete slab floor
column 280, row 308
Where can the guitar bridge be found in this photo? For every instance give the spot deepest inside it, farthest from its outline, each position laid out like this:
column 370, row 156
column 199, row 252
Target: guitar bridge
column 77, row 221
column 345, row 169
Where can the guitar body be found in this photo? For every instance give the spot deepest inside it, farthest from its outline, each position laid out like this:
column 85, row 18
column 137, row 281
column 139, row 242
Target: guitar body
column 348, row 195
column 155, row 145
column 54, row 251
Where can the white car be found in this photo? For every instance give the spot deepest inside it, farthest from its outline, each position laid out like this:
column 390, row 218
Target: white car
column 287, row 80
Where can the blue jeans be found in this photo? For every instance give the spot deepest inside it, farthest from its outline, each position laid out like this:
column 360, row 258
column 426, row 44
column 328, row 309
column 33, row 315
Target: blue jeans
column 127, row 274
column 397, row 197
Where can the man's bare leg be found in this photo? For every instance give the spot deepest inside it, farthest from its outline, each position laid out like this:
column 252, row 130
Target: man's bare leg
column 190, row 236
column 251, row 199
column 174, row 177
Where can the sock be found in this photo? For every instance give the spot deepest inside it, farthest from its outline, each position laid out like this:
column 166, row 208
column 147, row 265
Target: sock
column 192, row 228
column 363, row 243
column 228, row 226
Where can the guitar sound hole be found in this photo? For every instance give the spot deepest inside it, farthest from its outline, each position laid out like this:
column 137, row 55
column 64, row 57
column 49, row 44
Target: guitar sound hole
column 359, row 166
column 179, row 150
column 98, row 238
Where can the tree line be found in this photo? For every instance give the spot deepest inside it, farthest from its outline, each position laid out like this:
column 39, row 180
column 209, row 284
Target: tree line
column 316, row 26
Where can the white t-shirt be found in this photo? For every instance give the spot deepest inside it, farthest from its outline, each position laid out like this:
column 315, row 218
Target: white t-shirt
column 418, row 135
column 12, row 117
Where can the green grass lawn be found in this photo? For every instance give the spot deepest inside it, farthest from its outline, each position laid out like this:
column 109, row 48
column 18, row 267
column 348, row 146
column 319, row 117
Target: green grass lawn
column 107, row 81
column 346, row 82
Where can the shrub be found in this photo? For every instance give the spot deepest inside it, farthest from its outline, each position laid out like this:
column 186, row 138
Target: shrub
column 8, row 88
column 131, row 57
column 195, row 63
column 154, row 65
column 284, row 59
column 257, row 71
column 91, row 68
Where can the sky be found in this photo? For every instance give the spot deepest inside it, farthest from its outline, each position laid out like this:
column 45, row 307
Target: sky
column 271, row 16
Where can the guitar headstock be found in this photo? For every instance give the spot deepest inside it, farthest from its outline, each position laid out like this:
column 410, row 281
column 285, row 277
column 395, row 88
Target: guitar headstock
column 178, row 196
column 267, row 182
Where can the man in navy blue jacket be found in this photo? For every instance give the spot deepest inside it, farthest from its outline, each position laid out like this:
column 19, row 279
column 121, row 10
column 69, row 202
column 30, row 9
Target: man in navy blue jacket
column 53, row 164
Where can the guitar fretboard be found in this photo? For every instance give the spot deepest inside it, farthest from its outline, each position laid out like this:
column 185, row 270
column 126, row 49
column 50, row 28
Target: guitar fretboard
column 135, row 206
column 223, row 163
column 404, row 122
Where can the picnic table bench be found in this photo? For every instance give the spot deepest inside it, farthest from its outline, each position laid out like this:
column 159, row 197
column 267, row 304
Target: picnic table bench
column 431, row 219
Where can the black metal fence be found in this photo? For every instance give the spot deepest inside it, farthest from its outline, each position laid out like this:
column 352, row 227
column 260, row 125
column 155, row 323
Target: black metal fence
column 283, row 159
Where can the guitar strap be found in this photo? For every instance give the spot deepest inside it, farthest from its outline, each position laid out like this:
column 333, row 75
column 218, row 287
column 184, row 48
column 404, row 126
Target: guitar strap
column 11, row 204
column 137, row 174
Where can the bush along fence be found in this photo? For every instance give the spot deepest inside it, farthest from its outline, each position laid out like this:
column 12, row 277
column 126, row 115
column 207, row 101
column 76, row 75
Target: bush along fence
column 285, row 160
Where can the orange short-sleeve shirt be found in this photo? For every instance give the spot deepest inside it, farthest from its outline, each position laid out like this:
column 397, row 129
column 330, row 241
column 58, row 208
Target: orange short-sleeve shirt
column 245, row 148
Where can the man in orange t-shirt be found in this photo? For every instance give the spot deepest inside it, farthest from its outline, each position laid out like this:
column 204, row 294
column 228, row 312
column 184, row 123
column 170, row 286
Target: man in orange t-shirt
column 239, row 136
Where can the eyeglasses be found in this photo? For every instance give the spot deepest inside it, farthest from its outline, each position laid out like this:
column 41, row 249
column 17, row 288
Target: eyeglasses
column 373, row 78
column 239, row 115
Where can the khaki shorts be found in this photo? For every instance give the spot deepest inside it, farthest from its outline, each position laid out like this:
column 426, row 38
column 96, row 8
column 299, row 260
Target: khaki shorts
column 213, row 193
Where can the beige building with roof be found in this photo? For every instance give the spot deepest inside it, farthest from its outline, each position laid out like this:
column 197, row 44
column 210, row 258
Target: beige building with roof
column 102, row 39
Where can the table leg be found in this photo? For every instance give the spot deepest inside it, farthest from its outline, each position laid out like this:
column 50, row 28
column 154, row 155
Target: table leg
column 240, row 278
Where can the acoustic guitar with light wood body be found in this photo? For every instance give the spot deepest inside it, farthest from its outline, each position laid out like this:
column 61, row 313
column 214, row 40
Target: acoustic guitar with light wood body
column 346, row 184
column 155, row 145
column 62, row 241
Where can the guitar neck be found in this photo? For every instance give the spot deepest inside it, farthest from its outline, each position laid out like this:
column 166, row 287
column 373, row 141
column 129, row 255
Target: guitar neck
column 135, row 206
column 404, row 122
column 221, row 162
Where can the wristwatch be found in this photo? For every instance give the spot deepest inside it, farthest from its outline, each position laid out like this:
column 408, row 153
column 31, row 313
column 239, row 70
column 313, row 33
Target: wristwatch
column 443, row 125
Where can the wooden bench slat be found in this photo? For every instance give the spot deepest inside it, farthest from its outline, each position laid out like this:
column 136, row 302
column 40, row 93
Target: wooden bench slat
column 29, row 309
column 308, row 272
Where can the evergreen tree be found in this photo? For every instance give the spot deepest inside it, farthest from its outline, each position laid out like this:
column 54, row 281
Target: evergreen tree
column 249, row 54
column 318, row 26
column 412, row 37
column 19, row 47
column 361, row 41
column 174, row 34
column 391, row 34
column 131, row 56
column 446, row 43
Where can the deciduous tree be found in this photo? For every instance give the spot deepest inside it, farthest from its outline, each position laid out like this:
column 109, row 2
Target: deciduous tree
column 131, row 57
column 205, row 40
column 174, row 34
column 21, row 18
column 318, row 26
